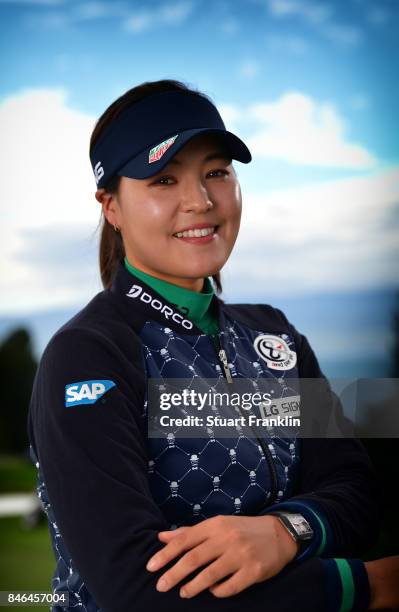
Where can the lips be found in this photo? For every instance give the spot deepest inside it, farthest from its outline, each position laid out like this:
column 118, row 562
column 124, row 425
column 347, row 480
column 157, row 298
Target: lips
column 196, row 226
column 196, row 232
column 198, row 236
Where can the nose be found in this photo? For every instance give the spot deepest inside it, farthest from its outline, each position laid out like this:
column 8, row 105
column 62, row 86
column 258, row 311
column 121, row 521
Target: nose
column 194, row 196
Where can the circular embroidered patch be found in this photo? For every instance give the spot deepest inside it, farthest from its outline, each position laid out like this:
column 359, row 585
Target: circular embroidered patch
column 275, row 351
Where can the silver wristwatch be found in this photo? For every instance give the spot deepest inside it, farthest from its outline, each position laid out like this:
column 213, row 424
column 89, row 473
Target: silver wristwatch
column 296, row 524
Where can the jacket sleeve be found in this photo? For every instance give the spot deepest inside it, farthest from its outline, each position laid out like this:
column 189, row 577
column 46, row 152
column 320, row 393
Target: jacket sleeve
column 93, row 459
column 336, row 488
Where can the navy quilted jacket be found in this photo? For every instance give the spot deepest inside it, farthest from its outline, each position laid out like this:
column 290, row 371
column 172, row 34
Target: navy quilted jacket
column 107, row 488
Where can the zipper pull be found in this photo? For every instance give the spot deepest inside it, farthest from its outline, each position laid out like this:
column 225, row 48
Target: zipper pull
column 223, row 359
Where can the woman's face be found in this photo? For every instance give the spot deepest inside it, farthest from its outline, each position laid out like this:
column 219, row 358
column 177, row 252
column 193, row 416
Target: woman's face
column 150, row 212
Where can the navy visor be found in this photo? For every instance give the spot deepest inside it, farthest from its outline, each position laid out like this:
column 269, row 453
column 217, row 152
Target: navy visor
column 146, row 135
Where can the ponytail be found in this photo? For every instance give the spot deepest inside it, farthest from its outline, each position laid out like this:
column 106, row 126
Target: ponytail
column 111, row 252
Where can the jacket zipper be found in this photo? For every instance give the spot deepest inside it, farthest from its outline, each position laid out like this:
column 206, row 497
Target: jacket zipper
column 223, row 359
column 221, row 353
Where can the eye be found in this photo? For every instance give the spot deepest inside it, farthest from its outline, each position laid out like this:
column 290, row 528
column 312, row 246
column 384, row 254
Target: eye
column 219, row 172
column 163, row 180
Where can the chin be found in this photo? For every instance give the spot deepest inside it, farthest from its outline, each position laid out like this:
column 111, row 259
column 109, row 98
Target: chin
column 201, row 271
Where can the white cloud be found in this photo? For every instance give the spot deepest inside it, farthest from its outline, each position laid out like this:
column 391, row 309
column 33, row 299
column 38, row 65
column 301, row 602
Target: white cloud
column 139, row 22
column 230, row 114
column 309, row 11
column 332, row 235
column 318, row 15
column 44, row 155
column 136, row 22
column 99, row 10
column 341, row 234
column 300, row 130
column 172, row 15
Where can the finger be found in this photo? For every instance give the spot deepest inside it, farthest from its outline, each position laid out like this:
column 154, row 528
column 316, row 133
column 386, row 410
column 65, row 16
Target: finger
column 194, row 558
column 155, row 562
column 181, row 542
column 237, row 583
column 214, row 572
column 166, row 535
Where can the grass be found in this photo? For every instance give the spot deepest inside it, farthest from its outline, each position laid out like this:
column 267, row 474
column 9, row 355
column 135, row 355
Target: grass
column 17, row 474
column 26, row 559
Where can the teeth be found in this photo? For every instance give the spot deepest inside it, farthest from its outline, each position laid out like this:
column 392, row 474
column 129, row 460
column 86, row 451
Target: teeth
column 197, row 233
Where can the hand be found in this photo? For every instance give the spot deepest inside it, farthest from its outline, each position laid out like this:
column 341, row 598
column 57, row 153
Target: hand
column 250, row 549
column 383, row 575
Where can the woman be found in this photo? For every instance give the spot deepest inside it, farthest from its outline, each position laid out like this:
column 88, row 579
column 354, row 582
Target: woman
column 138, row 521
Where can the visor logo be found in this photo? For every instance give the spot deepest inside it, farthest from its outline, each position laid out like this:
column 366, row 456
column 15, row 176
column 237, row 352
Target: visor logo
column 98, row 172
column 136, row 291
column 275, row 351
column 156, row 153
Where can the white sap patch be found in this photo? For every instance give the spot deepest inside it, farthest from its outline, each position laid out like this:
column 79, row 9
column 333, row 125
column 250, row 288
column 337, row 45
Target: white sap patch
column 86, row 391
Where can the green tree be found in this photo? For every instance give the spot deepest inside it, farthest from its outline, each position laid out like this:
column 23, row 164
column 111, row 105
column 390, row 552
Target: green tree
column 17, row 372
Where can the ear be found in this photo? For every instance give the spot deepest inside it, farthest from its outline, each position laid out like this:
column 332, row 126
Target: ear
column 109, row 205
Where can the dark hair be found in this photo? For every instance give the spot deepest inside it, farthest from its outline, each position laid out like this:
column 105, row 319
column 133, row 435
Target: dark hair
column 111, row 244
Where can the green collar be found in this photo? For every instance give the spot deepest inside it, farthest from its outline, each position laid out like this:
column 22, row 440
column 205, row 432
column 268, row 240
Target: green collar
column 193, row 304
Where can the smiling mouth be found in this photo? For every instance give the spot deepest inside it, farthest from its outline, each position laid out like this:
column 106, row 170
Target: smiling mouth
column 205, row 232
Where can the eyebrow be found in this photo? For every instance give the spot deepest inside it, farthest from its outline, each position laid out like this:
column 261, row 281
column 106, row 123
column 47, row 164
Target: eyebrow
column 210, row 157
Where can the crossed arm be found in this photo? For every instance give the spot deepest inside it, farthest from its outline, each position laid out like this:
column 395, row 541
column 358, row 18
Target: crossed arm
column 249, row 549
column 238, row 551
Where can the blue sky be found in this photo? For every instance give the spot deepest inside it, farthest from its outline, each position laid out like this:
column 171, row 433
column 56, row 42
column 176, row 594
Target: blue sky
column 241, row 51
column 311, row 86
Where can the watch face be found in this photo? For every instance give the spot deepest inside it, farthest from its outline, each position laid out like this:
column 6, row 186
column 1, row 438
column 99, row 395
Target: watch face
column 301, row 525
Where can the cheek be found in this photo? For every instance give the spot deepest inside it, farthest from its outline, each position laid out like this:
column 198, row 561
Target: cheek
column 230, row 205
column 147, row 218
column 232, row 215
column 237, row 195
column 238, row 200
